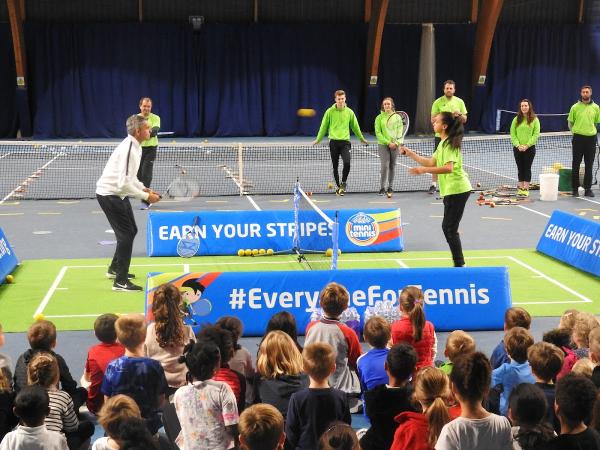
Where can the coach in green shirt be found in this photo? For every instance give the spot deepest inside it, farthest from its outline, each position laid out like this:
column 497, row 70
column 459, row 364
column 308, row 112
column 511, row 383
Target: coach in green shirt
column 337, row 121
column 583, row 117
column 446, row 103
column 149, row 146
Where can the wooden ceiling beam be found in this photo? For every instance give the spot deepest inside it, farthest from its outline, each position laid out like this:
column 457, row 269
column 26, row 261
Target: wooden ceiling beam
column 376, row 26
column 484, row 36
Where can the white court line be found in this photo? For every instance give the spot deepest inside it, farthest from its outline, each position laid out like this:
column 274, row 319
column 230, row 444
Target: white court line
column 588, row 200
column 253, row 203
column 401, row 264
column 533, row 211
column 50, row 292
column 234, row 179
column 186, row 268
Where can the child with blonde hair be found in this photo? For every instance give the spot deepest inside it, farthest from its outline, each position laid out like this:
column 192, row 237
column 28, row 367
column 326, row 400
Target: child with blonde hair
column 594, row 339
column 458, row 343
column 279, row 366
column 420, row 430
column 413, row 328
column 584, row 324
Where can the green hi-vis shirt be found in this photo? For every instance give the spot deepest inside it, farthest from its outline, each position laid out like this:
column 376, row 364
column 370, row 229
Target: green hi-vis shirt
column 457, row 181
column 153, row 121
column 442, row 104
column 381, row 131
column 584, row 117
column 338, row 122
column 524, row 133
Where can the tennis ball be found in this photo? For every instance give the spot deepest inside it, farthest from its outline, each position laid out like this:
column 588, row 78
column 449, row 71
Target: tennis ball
column 10, row 279
column 306, row 112
column 270, row 251
column 248, row 252
column 478, row 184
column 39, row 317
column 262, row 251
column 309, row 193
column 492, row 205
column 241, row 252
column 205, row 141
column 329, row 252
column 339, row 252
column 254, row 252
column 330, row 185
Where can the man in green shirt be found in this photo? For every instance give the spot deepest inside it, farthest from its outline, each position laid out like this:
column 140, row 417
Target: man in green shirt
column 149, row 146
column 337, row 122
column 583, row 117
column 446, row 103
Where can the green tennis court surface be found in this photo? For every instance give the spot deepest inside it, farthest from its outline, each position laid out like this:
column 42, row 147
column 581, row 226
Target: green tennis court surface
column 72, row 292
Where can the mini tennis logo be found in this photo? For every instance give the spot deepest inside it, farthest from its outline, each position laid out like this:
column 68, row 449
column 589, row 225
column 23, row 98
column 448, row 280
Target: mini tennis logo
column 362, row 229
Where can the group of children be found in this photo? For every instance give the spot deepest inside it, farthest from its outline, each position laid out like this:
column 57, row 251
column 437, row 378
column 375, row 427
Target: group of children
column 208, row 394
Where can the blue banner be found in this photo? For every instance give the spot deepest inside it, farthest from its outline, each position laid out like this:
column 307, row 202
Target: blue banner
column 8, row 259
column 573, row 240
column 465, row 298
column 227, row 232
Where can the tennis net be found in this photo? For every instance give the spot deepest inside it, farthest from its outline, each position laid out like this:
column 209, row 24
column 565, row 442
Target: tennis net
column 64, row 170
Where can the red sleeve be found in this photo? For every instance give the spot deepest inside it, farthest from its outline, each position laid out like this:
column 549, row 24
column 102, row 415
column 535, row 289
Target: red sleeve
column 354, row 348
column 309, row 326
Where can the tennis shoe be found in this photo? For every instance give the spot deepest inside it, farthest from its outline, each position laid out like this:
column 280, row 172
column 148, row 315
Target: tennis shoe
column 575, row 193
column 589, row 193
column 110, row 273
column 432, row 189
column 126, row 287
column 342, row 188
column 389, row 193
column 381, row 191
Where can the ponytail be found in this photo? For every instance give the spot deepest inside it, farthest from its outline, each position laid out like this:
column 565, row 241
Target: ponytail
column 411, row 301
column 455, row 130
column 43, row 370
column 432, row 387
column 437, row 416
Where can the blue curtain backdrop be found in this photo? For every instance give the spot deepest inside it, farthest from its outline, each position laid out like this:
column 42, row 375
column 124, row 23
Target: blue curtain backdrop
column 226, row 80
column 8, row 112
column 546, row 64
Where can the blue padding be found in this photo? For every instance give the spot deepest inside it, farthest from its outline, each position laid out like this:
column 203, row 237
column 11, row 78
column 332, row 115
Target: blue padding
column 573, row 240
column 224, row 233
column 455, row 298
column 8, row 259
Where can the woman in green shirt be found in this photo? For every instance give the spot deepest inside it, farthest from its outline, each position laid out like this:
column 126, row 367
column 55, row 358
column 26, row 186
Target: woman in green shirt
column 524, row 133
column 387, row 149
column 454, row 182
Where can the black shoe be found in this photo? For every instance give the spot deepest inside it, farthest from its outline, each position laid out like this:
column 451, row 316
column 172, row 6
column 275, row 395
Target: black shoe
column 431, row 189
column 389, row 192
column 589, row 193
column 381, row 191
column 110, row 273
column 126, row 287
column 342, row 189
column 575, row 193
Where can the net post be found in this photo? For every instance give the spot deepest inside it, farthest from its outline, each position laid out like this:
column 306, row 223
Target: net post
column 297, row 197
column 241, row 168
column 335, row 242
column 498, row 113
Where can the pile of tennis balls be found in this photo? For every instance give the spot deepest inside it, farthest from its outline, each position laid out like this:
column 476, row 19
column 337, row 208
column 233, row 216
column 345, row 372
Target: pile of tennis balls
column 255, row 252
column 329, row 252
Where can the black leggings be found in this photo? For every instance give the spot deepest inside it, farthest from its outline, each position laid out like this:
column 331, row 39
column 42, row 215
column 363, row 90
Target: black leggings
column 584, row 147
column 147, row 165
column 454, row 207
column 337, row 149
column 524, row 161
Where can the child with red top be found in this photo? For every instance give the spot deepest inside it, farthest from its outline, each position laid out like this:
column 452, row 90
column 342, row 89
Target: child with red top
column 419, row 431
column 98, row 358
column 334, row 300
column 413, row 329
column 224, row 340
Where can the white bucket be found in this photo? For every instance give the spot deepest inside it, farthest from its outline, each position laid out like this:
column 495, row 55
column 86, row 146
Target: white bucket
column 548, row 187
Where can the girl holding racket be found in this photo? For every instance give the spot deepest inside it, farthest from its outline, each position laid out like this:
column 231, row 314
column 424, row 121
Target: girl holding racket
column 387, row 147
column 455, row 187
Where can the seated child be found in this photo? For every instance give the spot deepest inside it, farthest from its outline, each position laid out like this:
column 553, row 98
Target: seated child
column 98, row 358
column 8, row 420
column 31, row 406
column 595, row 355
column 517, row 341
column 513, row 317
column 561, row 337
column 334, row 299
column 5, row 362
column 546, row 361
column 458, row 343
column 371, row 365
column 584, row 324
column 584, row 367
column 42, row 338
column 311, row 411
column 261, row 428
column 413, row 329
column 575, row 397
column 206, row 408
column 339, row 436
column 527, row 412
column 142, row 379
column 386, row 401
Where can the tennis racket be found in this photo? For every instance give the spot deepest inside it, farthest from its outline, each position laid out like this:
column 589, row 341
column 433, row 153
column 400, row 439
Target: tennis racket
column 397, row 126
column 183, row 187
column 189, row 244
column 165, row 133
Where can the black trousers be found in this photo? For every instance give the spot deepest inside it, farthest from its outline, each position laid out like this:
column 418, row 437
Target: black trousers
column 147, row 165
column 120, row 216
column 584, row 147
column 337, row 149
column 524, row 161
column 454, row 207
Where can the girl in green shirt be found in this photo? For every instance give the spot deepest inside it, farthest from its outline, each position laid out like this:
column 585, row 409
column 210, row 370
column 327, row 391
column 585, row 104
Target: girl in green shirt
column 387, row 149
column 524, row 133
column 455, row 187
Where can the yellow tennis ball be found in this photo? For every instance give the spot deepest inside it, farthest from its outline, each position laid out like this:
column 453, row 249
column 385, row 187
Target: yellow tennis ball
column 38, row 317
column 254, row 251
column 241, row 252
column 269, row 251
column 339, row 252
column 329, row 252
column 330, row 185
column 248, row 252
column 262, row 251
column 10, row 279
column 306, row 112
